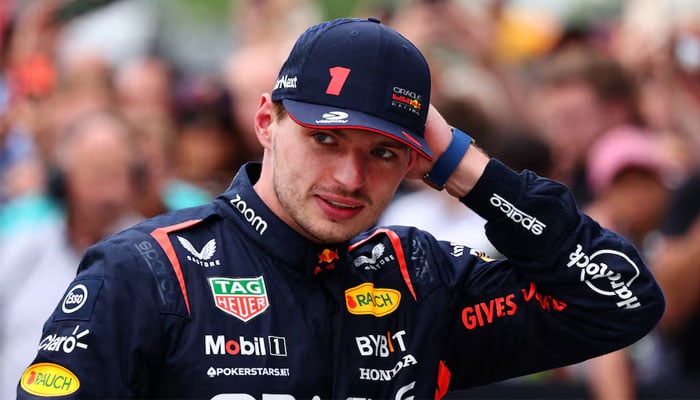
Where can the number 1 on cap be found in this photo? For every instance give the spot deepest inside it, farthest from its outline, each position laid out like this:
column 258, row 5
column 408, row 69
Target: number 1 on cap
column 338, row 77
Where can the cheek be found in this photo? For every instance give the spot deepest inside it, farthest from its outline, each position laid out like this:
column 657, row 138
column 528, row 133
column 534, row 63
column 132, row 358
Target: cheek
column 382, row 184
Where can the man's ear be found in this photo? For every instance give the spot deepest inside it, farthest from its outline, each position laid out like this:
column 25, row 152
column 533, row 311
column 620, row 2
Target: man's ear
column 263, row 120
column 412, row 162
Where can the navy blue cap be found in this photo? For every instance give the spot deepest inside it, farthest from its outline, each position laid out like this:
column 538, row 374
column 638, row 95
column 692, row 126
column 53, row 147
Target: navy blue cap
column 357, row 74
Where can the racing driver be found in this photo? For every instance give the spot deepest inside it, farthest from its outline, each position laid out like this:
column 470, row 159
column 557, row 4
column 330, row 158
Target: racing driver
column 283, row 288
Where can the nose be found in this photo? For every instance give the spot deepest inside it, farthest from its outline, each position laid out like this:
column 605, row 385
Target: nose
column 350, row 171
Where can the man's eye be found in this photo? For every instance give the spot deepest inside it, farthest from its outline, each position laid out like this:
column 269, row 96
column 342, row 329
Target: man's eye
column 323, row 137
column 384, row 153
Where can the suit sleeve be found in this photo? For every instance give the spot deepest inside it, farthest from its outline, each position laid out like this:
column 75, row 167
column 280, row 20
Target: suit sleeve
column 568, row 290
column 104, row 338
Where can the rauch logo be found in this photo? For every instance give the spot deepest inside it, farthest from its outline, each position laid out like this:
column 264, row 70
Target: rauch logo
column 368, row 300
column 47, row 379
column 244, row 298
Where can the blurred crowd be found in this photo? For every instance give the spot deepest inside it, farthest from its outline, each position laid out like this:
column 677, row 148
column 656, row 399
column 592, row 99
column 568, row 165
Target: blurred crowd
column 610, row 106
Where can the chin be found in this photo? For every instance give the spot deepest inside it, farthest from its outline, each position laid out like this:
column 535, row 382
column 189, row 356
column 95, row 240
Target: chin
column 335, row 235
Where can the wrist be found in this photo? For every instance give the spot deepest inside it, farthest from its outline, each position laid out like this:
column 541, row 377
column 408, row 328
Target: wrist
column 448, row 162
column 468, row 172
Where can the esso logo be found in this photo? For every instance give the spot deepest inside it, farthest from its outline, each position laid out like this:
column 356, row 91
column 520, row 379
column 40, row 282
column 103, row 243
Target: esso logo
column 75, row 299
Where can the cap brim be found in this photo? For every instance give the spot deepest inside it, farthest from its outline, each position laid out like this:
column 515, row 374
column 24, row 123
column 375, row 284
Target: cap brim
column 329, row 117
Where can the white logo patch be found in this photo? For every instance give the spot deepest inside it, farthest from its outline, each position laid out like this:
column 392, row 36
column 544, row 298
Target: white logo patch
column 65, row 344
column 528, row 222
column 371, row 262
column 333, row 117
column 286, row 82
column 605, row 281
column 75, row 299
column 203, row 256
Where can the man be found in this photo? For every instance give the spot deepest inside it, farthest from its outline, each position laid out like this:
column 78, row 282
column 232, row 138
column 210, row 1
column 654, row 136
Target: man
column 94, row 188
column 278, row 289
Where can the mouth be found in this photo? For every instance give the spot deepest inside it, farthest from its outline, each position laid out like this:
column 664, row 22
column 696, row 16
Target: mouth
column 340, row 205
column 339, row 209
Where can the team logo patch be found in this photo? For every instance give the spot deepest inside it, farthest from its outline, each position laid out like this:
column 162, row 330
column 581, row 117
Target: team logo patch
column 244, row 298
column 376, row 260
column 526, row 221
column 405, row 100
column 604, row 280
column 65, row 343
column 333, row 117
column 326, row 260
column 365, row 299
column 79, row 301
column 48, row 380
column 200, row 257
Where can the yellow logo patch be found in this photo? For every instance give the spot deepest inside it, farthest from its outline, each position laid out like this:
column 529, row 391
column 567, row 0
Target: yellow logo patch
column 47, row 379
column 365, row 299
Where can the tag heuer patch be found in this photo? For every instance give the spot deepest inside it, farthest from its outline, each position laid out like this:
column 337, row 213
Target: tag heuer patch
column 244, row 298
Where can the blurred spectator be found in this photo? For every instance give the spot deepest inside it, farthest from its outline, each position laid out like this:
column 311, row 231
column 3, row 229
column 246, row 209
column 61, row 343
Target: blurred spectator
column 20, row 172
column 660, row 43
column 631, row 180
column 208, row 147
column 44, row 118
column 161, row 189
column 459, row 40
column 26, row 140
column 144, row 89
column 266, row 32
column 147, row 97
column 27, row 73
column 249, row 72
column 95, row 180
column 676, row 265
column 521, row 148
column 578, row 96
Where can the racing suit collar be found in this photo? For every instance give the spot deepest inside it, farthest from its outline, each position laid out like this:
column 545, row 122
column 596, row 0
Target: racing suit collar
column 244, row 208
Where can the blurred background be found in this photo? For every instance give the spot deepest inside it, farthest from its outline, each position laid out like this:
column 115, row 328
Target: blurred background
column 114, row 111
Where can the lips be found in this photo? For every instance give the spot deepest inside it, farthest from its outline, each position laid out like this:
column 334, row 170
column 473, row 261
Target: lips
column 339, row 208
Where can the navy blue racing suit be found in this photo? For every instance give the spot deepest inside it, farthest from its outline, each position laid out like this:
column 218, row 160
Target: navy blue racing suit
column 225, row 301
